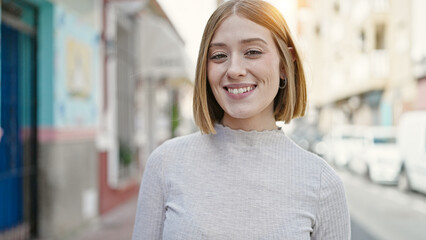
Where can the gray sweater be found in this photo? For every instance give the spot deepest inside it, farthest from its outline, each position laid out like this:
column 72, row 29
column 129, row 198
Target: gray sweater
column 239, row 185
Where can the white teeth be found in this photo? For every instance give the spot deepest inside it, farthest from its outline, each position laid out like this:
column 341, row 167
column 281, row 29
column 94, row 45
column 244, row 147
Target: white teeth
column 240, row 90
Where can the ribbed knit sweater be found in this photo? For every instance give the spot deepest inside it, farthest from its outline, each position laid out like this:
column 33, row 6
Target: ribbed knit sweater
column 239, row 185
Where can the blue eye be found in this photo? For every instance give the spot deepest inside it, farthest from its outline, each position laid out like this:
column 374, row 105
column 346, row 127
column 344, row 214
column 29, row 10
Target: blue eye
column 218, row 56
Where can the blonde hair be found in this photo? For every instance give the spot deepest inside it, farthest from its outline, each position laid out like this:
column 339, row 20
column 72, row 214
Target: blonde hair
column 289, row 102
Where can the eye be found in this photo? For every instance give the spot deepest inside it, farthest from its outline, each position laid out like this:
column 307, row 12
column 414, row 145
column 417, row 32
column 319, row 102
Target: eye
column 218, row 56
column 253, row 53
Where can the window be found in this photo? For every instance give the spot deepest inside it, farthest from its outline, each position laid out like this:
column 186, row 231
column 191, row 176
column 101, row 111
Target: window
column 336, row 7
column 382, row 140
column 362, row 40
column 380, row 42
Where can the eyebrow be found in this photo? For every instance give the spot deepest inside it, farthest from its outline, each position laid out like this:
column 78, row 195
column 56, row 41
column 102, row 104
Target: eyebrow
column 249, row 40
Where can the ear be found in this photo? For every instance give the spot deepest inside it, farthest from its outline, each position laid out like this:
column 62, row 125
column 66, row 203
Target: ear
column 293, row 53
column 282, row 72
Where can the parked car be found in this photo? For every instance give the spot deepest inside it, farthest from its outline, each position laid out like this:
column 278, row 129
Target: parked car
column 345, row 142
column 379, row 158
column 305, row 134
column 412, row 144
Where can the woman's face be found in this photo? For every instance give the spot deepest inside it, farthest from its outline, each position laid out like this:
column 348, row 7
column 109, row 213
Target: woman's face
column 244, row 73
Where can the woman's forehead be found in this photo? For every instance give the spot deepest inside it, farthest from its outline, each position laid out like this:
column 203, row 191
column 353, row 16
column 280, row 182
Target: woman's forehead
column 240, row 29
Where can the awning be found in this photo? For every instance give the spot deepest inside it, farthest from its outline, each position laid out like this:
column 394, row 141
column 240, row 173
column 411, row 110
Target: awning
column 161, row 52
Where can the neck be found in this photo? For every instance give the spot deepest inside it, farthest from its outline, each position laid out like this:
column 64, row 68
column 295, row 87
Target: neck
column 249, row 124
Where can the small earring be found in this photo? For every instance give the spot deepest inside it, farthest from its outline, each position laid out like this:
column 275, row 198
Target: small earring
column 284, row 84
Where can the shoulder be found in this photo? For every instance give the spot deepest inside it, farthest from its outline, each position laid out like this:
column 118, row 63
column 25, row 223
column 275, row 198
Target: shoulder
column 175, row 147
column 312, row 163
column 306, row 157
column 179, row 143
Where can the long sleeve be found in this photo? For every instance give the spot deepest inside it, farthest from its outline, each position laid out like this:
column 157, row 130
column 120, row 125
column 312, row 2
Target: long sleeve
column 332, row 217
column 239, row 185
column 150, row 213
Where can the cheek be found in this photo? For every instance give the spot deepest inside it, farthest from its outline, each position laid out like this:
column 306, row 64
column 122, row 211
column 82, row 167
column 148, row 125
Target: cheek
column 275, row 80
column 267, row 71
column 213, row 74
column 210, row 71
column 213, row 80
column 270, row 78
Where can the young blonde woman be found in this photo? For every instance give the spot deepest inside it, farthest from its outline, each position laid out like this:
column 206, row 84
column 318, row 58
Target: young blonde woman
column 241, row 177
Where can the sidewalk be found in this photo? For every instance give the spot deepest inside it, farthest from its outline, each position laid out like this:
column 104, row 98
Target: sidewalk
column 116, row 224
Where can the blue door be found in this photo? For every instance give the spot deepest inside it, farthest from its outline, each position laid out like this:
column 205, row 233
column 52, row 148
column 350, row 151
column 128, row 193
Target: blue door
column 11, row 201
column 18, row 146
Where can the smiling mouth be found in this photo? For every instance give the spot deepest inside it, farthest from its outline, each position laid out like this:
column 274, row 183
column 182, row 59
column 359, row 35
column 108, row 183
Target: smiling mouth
column 240, row 90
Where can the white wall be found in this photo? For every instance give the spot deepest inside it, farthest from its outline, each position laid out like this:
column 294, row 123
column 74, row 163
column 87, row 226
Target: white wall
column 418, row 36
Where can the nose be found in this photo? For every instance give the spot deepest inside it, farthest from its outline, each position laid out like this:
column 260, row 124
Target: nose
column 236, row 68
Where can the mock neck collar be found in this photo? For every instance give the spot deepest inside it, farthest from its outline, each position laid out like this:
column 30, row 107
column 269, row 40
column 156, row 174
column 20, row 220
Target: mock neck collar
column 223, row 128
column 228, row 136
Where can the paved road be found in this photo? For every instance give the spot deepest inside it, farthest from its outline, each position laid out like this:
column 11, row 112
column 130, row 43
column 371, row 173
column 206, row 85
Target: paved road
column 383, row 212
column 359, row 232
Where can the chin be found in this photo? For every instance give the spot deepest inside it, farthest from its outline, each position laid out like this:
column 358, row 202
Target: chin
column 240, row 114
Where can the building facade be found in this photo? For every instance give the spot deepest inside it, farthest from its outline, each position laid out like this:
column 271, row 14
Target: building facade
column 71, row 147
column 360, row 59
column 50, row 114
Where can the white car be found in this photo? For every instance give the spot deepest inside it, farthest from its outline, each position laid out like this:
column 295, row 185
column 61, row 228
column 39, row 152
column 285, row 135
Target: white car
column 345, row 142
column 412, row 144
column 381, row 155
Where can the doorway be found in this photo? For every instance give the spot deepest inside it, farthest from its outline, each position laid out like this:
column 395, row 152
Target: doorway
column 18, row 101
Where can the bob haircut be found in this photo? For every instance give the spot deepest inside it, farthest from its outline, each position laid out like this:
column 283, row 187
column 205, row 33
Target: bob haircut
column 289, row 102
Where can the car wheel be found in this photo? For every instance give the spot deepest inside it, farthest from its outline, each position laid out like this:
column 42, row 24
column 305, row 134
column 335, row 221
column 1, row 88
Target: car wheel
column 404, row 181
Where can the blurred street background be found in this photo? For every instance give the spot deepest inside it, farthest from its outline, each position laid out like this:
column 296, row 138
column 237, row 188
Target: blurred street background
column 88, row 88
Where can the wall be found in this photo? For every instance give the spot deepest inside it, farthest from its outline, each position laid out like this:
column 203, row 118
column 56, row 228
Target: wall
column 68, row 186
column 77, row 70
column 114, row 190
column 343, row 63
column 68, row 73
